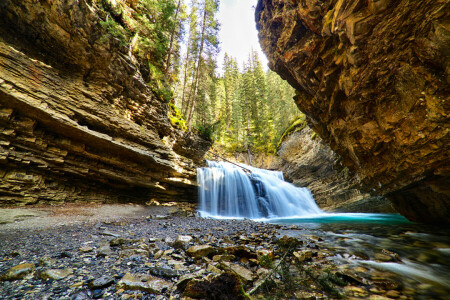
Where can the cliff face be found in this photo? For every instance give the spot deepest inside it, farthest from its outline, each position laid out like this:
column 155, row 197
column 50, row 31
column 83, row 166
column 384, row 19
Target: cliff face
column 373, row 79
column 77, row 120
column 307, row 161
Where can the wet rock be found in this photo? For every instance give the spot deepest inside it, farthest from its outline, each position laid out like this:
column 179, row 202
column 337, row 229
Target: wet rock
column 302, row 256
column 18, row 272
column 226, row 286
column 55, row 274
column 184, row 280
column 200, row 251
column 384, row 257
column 81, row 295
column 243, row 273
column 101, row 282
column 143, row 282
column 393, row 294
column 338, row 50
column 96, row 294
column 355, row 291
column 182, row 241
column 162, row 271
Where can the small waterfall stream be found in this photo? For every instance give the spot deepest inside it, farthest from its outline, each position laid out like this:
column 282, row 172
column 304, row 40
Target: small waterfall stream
column 226, row 190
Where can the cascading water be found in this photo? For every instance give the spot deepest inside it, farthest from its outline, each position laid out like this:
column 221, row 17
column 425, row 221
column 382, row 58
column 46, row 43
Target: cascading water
column 226, row 190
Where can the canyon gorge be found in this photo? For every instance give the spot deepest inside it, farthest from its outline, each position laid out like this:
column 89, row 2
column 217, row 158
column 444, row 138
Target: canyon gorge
column 80, row 123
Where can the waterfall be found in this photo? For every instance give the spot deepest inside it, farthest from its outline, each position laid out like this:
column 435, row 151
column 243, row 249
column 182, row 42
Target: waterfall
column 226, row 190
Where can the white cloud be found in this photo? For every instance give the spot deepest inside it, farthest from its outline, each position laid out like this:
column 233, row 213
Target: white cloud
column 238, row 34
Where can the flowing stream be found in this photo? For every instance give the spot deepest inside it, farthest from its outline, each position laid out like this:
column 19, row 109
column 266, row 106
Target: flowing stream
column 356, row 239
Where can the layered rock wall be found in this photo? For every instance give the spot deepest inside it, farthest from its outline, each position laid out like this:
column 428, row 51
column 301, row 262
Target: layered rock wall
column 77, row 120
column 373, row 78
column 307, row 161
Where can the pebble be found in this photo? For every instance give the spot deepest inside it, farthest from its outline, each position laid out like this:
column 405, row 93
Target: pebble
column 18, row 272
column 144, row 283
column 101, row 282
column 55, row 274
column 147, row 261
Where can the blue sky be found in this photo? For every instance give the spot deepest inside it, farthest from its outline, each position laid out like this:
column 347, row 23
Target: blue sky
column 238, row 34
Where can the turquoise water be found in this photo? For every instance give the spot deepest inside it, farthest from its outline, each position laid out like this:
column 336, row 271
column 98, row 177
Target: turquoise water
column 350, row 239
column 382, row 219
column 355, row 239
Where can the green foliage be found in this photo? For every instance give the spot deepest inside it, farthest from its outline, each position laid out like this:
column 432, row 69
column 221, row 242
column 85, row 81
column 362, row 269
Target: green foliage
column 114, row 30
column 250, row 107
column 147, row 30
column 265, row 261
column 295, row 125
column 206, row 130
column 175, row 117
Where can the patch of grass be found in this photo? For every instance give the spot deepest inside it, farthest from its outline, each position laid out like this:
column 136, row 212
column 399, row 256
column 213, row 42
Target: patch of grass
column 265, row 261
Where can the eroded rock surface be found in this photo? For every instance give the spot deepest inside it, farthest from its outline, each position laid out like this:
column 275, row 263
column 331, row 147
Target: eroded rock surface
column 373, row 78
column 77, row 119
column 307, row 161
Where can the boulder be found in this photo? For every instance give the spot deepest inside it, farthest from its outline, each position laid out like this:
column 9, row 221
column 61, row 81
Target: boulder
column 200, row 251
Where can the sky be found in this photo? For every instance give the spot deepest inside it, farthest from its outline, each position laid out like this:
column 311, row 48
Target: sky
column 238, row 34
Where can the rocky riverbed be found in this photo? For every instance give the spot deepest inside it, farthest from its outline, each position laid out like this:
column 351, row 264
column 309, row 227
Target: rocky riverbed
column 167, row 252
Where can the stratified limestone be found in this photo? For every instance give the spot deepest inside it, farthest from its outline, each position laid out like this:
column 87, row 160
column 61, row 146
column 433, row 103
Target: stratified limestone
column 373, row 79
column 307, row 161
column 77, row 120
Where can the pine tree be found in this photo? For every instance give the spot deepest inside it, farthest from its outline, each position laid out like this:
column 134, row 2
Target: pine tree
column 208, row 45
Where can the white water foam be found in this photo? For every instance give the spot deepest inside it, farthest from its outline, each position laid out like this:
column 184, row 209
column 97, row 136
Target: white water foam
column 228, row 191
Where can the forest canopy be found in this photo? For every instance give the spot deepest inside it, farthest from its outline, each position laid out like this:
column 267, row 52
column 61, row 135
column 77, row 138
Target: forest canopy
column 236, row 104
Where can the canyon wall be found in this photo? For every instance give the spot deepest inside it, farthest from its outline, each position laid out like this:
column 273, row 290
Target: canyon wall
column 307, row 161
column 77, row 120
column 373, row 78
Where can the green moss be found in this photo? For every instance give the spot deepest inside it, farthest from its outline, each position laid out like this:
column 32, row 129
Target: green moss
column 176, row 118
column 295, row 125
column 114, row 30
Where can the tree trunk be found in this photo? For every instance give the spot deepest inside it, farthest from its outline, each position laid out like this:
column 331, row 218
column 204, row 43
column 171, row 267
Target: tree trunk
column 184, row 103
column 192, row 102
column 172, row 36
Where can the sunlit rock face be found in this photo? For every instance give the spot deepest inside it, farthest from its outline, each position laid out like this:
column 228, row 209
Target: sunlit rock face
column 77, row 120
column 373, row 78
